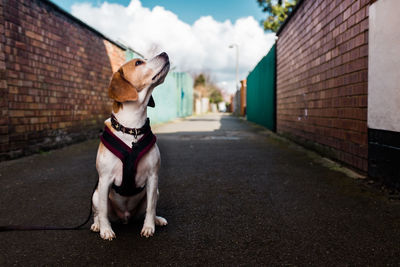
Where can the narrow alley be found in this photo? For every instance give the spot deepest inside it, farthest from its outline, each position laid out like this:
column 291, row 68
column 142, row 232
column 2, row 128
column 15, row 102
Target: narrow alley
column 233, row 194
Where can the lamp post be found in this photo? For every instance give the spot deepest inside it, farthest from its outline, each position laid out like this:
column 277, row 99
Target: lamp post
column 237, row 64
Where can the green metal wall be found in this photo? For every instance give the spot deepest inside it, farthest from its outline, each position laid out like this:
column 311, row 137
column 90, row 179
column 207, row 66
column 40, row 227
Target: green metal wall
column 130, row 54
column 173, row 98
column 261, row 92
column 184, row 84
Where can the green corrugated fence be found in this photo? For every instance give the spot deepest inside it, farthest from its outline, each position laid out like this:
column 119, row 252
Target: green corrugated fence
column 184, row 84
column 173, row 98
column 261, row 92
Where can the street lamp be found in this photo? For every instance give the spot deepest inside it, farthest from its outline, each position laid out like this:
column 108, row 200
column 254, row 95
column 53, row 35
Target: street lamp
column 237, row 64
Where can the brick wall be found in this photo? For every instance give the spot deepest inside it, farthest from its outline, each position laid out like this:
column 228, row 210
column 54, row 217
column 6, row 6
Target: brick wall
column 3, row 85
column 322, row 61
column 54, row 71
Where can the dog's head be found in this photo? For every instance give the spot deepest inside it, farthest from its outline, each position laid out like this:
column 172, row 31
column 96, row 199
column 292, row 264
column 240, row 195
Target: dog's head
column 137, row 76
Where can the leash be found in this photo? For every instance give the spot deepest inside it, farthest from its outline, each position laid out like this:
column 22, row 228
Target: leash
column 45, row 228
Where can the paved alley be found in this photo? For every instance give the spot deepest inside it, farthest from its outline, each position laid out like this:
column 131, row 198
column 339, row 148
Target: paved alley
column 233, row 194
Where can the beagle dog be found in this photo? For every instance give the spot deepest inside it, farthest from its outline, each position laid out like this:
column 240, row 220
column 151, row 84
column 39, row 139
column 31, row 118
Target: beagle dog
column 130, row 88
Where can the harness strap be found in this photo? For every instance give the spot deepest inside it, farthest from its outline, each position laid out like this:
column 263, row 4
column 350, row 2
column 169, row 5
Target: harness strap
column 114, row 144
column 129, row 157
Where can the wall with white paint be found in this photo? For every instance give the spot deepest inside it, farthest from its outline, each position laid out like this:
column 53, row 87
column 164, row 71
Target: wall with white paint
column 384, row 66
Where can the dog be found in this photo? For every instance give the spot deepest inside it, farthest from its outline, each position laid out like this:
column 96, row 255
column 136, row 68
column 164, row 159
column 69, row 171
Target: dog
column 131, row 89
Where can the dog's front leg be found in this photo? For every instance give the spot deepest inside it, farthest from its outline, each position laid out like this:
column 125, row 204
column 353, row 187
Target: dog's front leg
column 151, row 195
column 103, row 190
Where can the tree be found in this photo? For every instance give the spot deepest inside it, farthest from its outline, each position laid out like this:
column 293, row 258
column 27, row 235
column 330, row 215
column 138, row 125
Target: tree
column 200, row 80
column 277, row 11
column 206, row 87
column 215, row 95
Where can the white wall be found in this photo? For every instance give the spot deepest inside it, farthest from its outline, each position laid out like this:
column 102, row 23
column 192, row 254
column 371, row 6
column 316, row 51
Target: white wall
column 384, row 65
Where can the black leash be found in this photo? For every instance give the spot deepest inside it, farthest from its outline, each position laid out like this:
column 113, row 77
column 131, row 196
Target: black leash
column 41, row 228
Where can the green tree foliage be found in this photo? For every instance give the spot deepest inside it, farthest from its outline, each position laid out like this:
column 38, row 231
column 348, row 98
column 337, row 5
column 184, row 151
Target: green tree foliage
column 207, row 88
column 200, row 80
column 215, row 95
column 277, row 11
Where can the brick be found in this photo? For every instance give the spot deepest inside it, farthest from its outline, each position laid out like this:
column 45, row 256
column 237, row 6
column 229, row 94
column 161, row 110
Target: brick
column 361, row 14
column 4, row 140
column 359, row 40
column 3, row 130
column 346, row 14
column 355, row 6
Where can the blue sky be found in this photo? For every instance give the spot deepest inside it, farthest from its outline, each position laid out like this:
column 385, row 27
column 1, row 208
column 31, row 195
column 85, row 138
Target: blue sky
column 190, row 10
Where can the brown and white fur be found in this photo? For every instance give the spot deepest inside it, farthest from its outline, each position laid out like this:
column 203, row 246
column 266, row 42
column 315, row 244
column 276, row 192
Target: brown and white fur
column 130, row 87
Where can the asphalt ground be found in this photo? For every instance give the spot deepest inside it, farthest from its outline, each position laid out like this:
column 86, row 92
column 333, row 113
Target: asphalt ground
column 233, row 194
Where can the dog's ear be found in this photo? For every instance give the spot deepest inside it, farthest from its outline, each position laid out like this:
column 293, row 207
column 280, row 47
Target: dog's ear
column 120, row 89
column 151, row 102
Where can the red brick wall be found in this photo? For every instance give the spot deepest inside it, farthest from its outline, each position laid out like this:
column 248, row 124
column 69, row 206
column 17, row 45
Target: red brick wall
column 3, row 86
column 322, row 61
column 54, row 73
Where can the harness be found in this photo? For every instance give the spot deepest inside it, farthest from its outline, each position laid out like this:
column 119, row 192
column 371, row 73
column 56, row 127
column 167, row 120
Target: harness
column 129, row 157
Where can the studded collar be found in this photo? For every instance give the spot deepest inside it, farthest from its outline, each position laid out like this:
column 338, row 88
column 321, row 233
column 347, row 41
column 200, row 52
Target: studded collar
column 132, row 131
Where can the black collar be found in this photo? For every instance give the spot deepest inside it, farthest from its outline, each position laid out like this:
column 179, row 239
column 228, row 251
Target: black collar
column 133, row 131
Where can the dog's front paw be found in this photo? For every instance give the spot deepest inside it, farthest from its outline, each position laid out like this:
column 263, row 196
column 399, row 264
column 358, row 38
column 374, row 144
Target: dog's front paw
column 160, row 221
column 107, row 234
column 147, row 231
column 95, row 227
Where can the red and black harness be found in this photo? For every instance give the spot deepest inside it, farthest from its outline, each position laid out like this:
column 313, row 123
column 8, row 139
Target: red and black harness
column 129, row 157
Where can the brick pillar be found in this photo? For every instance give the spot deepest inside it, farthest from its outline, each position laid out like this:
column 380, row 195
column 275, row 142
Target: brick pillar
column 3, row 89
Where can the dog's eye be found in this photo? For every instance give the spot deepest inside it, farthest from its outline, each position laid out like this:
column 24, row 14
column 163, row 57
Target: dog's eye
column 139, row 62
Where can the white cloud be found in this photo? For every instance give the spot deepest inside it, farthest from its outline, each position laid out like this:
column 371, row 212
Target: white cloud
column 202, row 46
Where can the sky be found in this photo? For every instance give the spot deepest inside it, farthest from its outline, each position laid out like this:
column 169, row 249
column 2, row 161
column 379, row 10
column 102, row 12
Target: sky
column 195, row 34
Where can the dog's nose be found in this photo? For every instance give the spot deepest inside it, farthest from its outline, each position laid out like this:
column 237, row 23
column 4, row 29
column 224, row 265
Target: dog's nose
column 164, row 55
